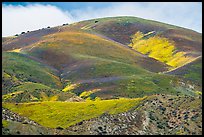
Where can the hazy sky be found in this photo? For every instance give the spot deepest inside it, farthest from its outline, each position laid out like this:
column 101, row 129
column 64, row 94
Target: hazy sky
column 27, row 16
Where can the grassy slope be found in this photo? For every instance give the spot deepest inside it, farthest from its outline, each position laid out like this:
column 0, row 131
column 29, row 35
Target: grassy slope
column 86, row 56
column 79, row 56
column 26, row 39
column 121, row 29
column 185, row 41
column 64, row 114
column 34, row 92
column 191, row 71
column 177, row 107
column 27, row 80
column 26, row 69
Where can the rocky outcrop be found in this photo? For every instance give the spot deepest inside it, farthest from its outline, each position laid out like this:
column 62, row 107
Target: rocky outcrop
column 160, row 115
column 9, row 115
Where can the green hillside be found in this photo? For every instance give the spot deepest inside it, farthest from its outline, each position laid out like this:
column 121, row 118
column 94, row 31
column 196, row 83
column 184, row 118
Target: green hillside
column 61, row 76
column 191, row 71
column 122, row 29
column 90, row 62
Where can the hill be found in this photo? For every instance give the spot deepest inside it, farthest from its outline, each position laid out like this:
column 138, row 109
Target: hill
column 57, row 77
column 121, row 29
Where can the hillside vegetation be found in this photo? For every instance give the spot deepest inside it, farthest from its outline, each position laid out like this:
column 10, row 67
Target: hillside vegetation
column 191, row 71
column 159, row 48
column 57, row 80
column 187, row 43
column 26, row 69
column 63, row 114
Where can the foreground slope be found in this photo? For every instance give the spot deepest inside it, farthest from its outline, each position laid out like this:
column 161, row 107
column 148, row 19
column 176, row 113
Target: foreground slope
column 157, row 115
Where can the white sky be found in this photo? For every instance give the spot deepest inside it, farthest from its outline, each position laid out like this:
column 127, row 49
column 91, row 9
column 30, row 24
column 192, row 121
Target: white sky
column 18, row 18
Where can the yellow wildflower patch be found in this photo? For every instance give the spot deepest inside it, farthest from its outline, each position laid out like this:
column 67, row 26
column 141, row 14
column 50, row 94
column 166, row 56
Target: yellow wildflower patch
column 159, row 48
column 64, row 114
column 87, row 93
column 70, row 87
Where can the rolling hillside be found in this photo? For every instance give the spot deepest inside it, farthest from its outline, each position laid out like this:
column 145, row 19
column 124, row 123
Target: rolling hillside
column 107, row 65
column 121, row 29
